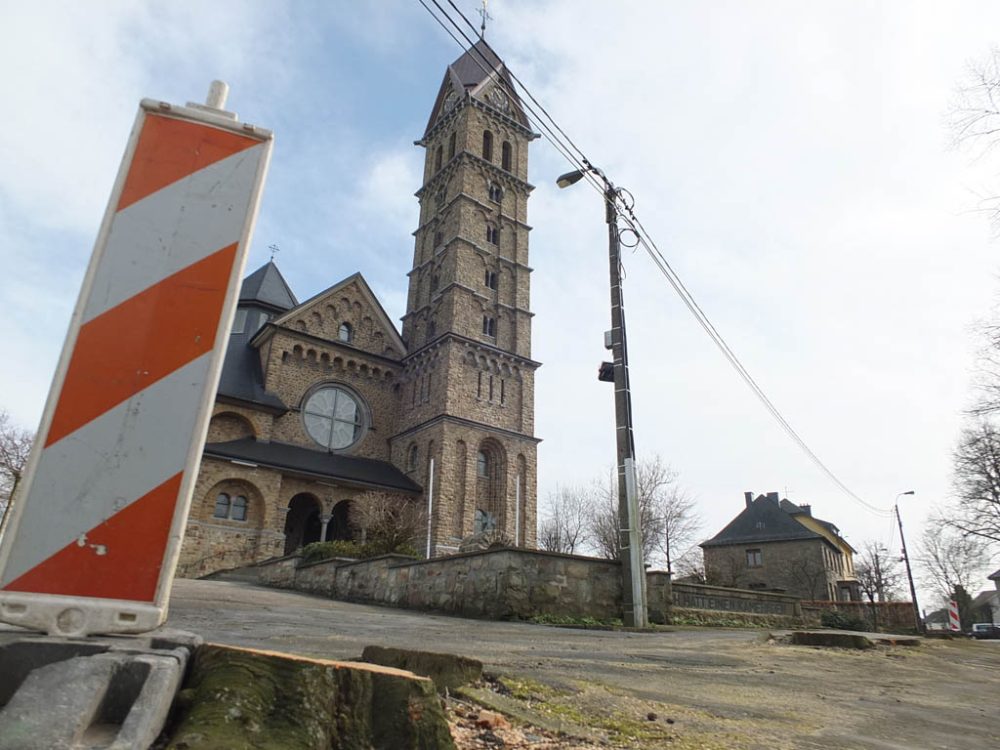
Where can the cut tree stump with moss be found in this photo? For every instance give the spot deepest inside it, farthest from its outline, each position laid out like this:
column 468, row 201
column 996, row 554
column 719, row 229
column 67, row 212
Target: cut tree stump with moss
column 244, row 698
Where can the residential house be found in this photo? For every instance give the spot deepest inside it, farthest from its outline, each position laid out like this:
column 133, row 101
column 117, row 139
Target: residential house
column 776, row 545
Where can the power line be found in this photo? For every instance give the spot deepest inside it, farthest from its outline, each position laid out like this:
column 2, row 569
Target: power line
column 553, row 133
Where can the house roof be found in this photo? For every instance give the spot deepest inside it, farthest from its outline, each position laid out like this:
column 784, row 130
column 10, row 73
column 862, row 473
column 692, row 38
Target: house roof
column 350, row 469
column 267, row 286
column 768, row 519
column 995, row 575
column 764, row 520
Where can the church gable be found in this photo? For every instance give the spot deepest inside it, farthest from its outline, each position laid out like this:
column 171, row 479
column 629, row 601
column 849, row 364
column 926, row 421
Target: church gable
column 347, row 312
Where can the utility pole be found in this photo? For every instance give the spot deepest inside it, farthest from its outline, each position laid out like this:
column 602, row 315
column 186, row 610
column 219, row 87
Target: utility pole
column 629, row 520
column 917, row 622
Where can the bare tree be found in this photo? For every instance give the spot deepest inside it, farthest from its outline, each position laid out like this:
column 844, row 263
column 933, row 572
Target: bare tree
column 949, row 558
column 391, row 522
column 976, row 482
column 807, row 574
column 565, row 524
column 677, row 523
column 878, row 572
column 974, row 118
column 15, row 445
column 726, row 567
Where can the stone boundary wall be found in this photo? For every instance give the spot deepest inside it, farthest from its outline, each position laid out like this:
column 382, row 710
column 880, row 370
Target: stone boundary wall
column 891, row 616
column 505, row 583
column 508, row 583
column 721, row 599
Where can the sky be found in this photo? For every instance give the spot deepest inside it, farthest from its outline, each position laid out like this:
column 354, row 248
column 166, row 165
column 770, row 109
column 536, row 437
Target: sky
column 791, row 160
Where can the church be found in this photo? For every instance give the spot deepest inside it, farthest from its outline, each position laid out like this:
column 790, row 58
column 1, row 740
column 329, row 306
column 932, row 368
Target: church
column 324, row 400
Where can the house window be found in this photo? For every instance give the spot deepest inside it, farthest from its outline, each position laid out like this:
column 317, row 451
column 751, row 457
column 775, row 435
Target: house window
column 489, row 326
column 487, row 145
column 496, row 192
column 491, row 279
column 240, row 321
column 344, row 332
column 333, row 417
column 222, row 506
column 505, row 156
column 451, row 146
column 493, row 234
column 754, row 558
column 482, row 464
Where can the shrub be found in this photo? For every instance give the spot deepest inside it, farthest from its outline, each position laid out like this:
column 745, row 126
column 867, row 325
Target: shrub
column 325, row 550
column 841, row 621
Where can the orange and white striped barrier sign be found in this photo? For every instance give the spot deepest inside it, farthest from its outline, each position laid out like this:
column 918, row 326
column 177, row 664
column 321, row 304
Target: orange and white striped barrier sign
column 98, row 520
column 954, row 619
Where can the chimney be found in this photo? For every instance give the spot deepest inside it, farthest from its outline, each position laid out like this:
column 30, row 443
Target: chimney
column 773, row 497
column 748, row 496
column 806, row 508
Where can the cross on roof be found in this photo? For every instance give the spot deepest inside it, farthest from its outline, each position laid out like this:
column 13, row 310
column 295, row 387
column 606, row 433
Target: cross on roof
column 486, row 17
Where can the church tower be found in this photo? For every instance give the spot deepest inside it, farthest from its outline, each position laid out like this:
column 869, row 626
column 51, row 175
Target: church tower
column 466, row 395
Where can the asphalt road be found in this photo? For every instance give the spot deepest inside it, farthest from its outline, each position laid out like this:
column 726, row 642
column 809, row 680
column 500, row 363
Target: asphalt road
column 735, row 687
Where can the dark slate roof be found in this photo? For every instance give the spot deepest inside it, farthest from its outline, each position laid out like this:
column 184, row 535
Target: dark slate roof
column 469, row 67
column 994, row 575
column 264, row 290
column 778, row 525
column 364, row 471
column 267, row 286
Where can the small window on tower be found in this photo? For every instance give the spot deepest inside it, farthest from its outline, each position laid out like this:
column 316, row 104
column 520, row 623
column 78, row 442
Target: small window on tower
column 431, row 330
column 493, row 234
column 439, row 198
column 435, row 282
column 489, row 326
column 344, row 332
column 505, row 156
column 491, row 279
column 411, row 461
column 240, row 321
column 487, row 145
column 438, row 239
column 496, row 192
column 451, row 146
column 482, row 465
column 437, row 158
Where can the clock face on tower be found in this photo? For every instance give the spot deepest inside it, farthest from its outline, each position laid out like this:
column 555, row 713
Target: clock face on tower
column 498, row 99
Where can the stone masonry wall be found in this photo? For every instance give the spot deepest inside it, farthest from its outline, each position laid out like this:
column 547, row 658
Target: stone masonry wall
column 506, row 583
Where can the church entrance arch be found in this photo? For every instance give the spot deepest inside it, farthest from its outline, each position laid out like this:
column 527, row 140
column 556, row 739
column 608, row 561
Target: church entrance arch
column 339, row 529
column 302, row 524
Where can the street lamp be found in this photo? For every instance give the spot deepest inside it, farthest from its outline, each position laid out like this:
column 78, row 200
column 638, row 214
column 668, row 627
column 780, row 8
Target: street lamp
column 630, row 536
column 917, row 622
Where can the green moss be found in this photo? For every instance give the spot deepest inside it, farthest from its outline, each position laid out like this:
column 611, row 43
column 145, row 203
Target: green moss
column 547, row 619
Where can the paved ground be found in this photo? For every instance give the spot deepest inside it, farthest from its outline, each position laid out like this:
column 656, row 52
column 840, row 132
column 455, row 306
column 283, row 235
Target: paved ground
column 722, row 688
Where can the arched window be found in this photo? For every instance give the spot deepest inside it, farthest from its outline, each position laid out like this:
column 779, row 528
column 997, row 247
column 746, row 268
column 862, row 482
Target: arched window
column 487, row 145
column 431, row 329
column 412, row 458
column 484, row 522
column 437, row 158
column 491, row 279
column 345, row 331
column 493, row 234
column 482, row 464
column 238, row 511
column 222, row 506
column 489, row 326
column 496, row 192
column 505, row 155
column 439, row 198
column 451, row 146
column 438, row 239
column 435, row 282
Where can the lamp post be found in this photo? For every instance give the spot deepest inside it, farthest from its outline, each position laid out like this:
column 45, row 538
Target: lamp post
column 917, row 622
column 629, row 522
